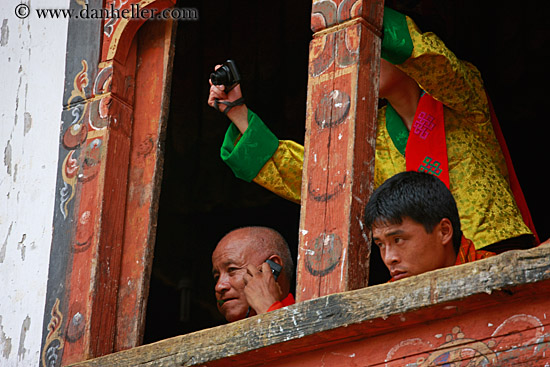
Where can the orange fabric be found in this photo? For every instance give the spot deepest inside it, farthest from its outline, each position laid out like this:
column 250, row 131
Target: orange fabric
column 468, row 253
column 289, row 300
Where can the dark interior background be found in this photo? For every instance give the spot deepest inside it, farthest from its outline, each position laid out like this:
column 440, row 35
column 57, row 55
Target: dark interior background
column 200, row 198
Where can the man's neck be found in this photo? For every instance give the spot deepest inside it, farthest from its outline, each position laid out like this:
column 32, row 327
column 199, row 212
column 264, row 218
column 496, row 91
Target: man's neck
column 405, row 101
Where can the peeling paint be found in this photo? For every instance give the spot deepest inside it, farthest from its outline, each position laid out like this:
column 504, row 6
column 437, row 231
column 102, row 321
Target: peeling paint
column 4, row 33
column 5, row 245
column 27, row 123
column 7, row 157
column 5, row 342
column 29, row 153
column 15, row 172
column 21, row 246
column 20, row 70
column 24, row 328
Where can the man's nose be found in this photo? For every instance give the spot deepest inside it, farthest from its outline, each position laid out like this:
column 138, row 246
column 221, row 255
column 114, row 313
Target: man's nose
column 222, row 285
column 391, row 256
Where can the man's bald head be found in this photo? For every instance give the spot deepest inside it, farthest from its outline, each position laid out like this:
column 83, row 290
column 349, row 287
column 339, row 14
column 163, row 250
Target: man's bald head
column 238, row 250
column 264, row 242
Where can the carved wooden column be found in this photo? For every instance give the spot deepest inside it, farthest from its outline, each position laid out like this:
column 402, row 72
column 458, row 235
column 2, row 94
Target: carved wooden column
column 339, row 144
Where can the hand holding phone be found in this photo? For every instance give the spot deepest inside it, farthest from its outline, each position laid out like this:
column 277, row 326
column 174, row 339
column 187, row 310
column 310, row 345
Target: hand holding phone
column 275, row 268
column 260, row 290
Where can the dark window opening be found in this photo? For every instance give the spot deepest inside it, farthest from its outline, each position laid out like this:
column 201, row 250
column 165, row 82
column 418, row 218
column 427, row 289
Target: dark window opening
column 201, row 200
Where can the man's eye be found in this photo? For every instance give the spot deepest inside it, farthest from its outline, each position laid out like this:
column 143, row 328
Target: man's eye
column 397, row 240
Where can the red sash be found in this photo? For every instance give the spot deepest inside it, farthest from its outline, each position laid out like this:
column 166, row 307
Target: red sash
column 427, row 150
column 426, row 147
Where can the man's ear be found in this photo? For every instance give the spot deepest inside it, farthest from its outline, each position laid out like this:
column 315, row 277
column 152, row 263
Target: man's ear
column 282, row 280
column 276, row 259
column 446, row 231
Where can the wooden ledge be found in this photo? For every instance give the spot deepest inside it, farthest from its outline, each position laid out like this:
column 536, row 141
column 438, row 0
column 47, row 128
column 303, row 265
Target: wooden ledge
column 343, row 317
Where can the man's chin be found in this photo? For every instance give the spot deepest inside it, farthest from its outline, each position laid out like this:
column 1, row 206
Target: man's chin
column 233, row 318
column 233, row 314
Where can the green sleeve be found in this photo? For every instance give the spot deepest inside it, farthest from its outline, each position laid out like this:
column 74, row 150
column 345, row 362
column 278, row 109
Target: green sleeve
column 249, row 154
column 397, row 45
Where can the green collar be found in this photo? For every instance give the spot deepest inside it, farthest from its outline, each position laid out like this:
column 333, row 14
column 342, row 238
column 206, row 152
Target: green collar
column 399, row 133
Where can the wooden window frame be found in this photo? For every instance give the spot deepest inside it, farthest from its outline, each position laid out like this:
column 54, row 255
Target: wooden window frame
column 114, row 118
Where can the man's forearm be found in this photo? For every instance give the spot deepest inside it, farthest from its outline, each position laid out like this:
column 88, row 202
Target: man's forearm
column 239, row 116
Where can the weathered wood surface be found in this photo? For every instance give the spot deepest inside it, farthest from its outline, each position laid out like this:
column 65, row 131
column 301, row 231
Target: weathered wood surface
column 119, row 32
column 340, row 134
column 100, row 197
column 492, row 312
column 329, row 13
column 152, row 97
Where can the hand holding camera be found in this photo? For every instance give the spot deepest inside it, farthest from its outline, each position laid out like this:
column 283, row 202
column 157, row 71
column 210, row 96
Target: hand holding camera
column 226, row 75
column 225, row 94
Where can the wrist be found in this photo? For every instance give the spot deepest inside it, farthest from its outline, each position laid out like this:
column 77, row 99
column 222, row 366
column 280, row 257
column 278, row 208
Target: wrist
column 262, row 303
column 239, row 116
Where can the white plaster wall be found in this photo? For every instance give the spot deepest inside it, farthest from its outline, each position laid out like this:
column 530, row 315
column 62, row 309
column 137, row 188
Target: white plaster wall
column 32, row 69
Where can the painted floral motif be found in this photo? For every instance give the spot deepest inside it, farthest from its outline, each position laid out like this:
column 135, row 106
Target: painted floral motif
column 84, row 137
column 505, row 347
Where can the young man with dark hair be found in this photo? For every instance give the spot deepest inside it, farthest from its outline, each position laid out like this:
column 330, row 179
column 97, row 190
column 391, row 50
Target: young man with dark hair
column 415, row 223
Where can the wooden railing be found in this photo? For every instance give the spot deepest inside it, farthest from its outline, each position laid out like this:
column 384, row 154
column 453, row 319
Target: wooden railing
column 493, row 312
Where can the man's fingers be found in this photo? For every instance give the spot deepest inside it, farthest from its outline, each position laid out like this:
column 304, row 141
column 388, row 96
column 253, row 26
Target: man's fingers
column 218, row 87
column 217, row 92
column 216, row 96
column 252, row 270
column 266, row 268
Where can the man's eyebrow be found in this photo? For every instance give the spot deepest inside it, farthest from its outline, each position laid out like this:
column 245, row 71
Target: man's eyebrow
column 396, row 232
column 225, row 264
column 389, row 234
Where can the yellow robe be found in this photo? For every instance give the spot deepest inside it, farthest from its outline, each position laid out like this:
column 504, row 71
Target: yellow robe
column 477, row 170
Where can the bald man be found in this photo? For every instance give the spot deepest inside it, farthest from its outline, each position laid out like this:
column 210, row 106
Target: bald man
column 245, row 285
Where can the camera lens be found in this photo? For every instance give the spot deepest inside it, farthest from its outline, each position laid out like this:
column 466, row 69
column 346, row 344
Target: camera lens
column 220, row 76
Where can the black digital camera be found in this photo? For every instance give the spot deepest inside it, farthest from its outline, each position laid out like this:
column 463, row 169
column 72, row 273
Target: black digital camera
column 226, row 75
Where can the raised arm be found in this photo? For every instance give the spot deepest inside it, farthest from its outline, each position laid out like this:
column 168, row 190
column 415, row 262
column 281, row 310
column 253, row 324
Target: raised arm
column 253, row 152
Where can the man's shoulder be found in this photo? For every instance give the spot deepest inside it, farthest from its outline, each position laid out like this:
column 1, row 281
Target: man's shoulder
column 287, row 301
column 468, row 253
